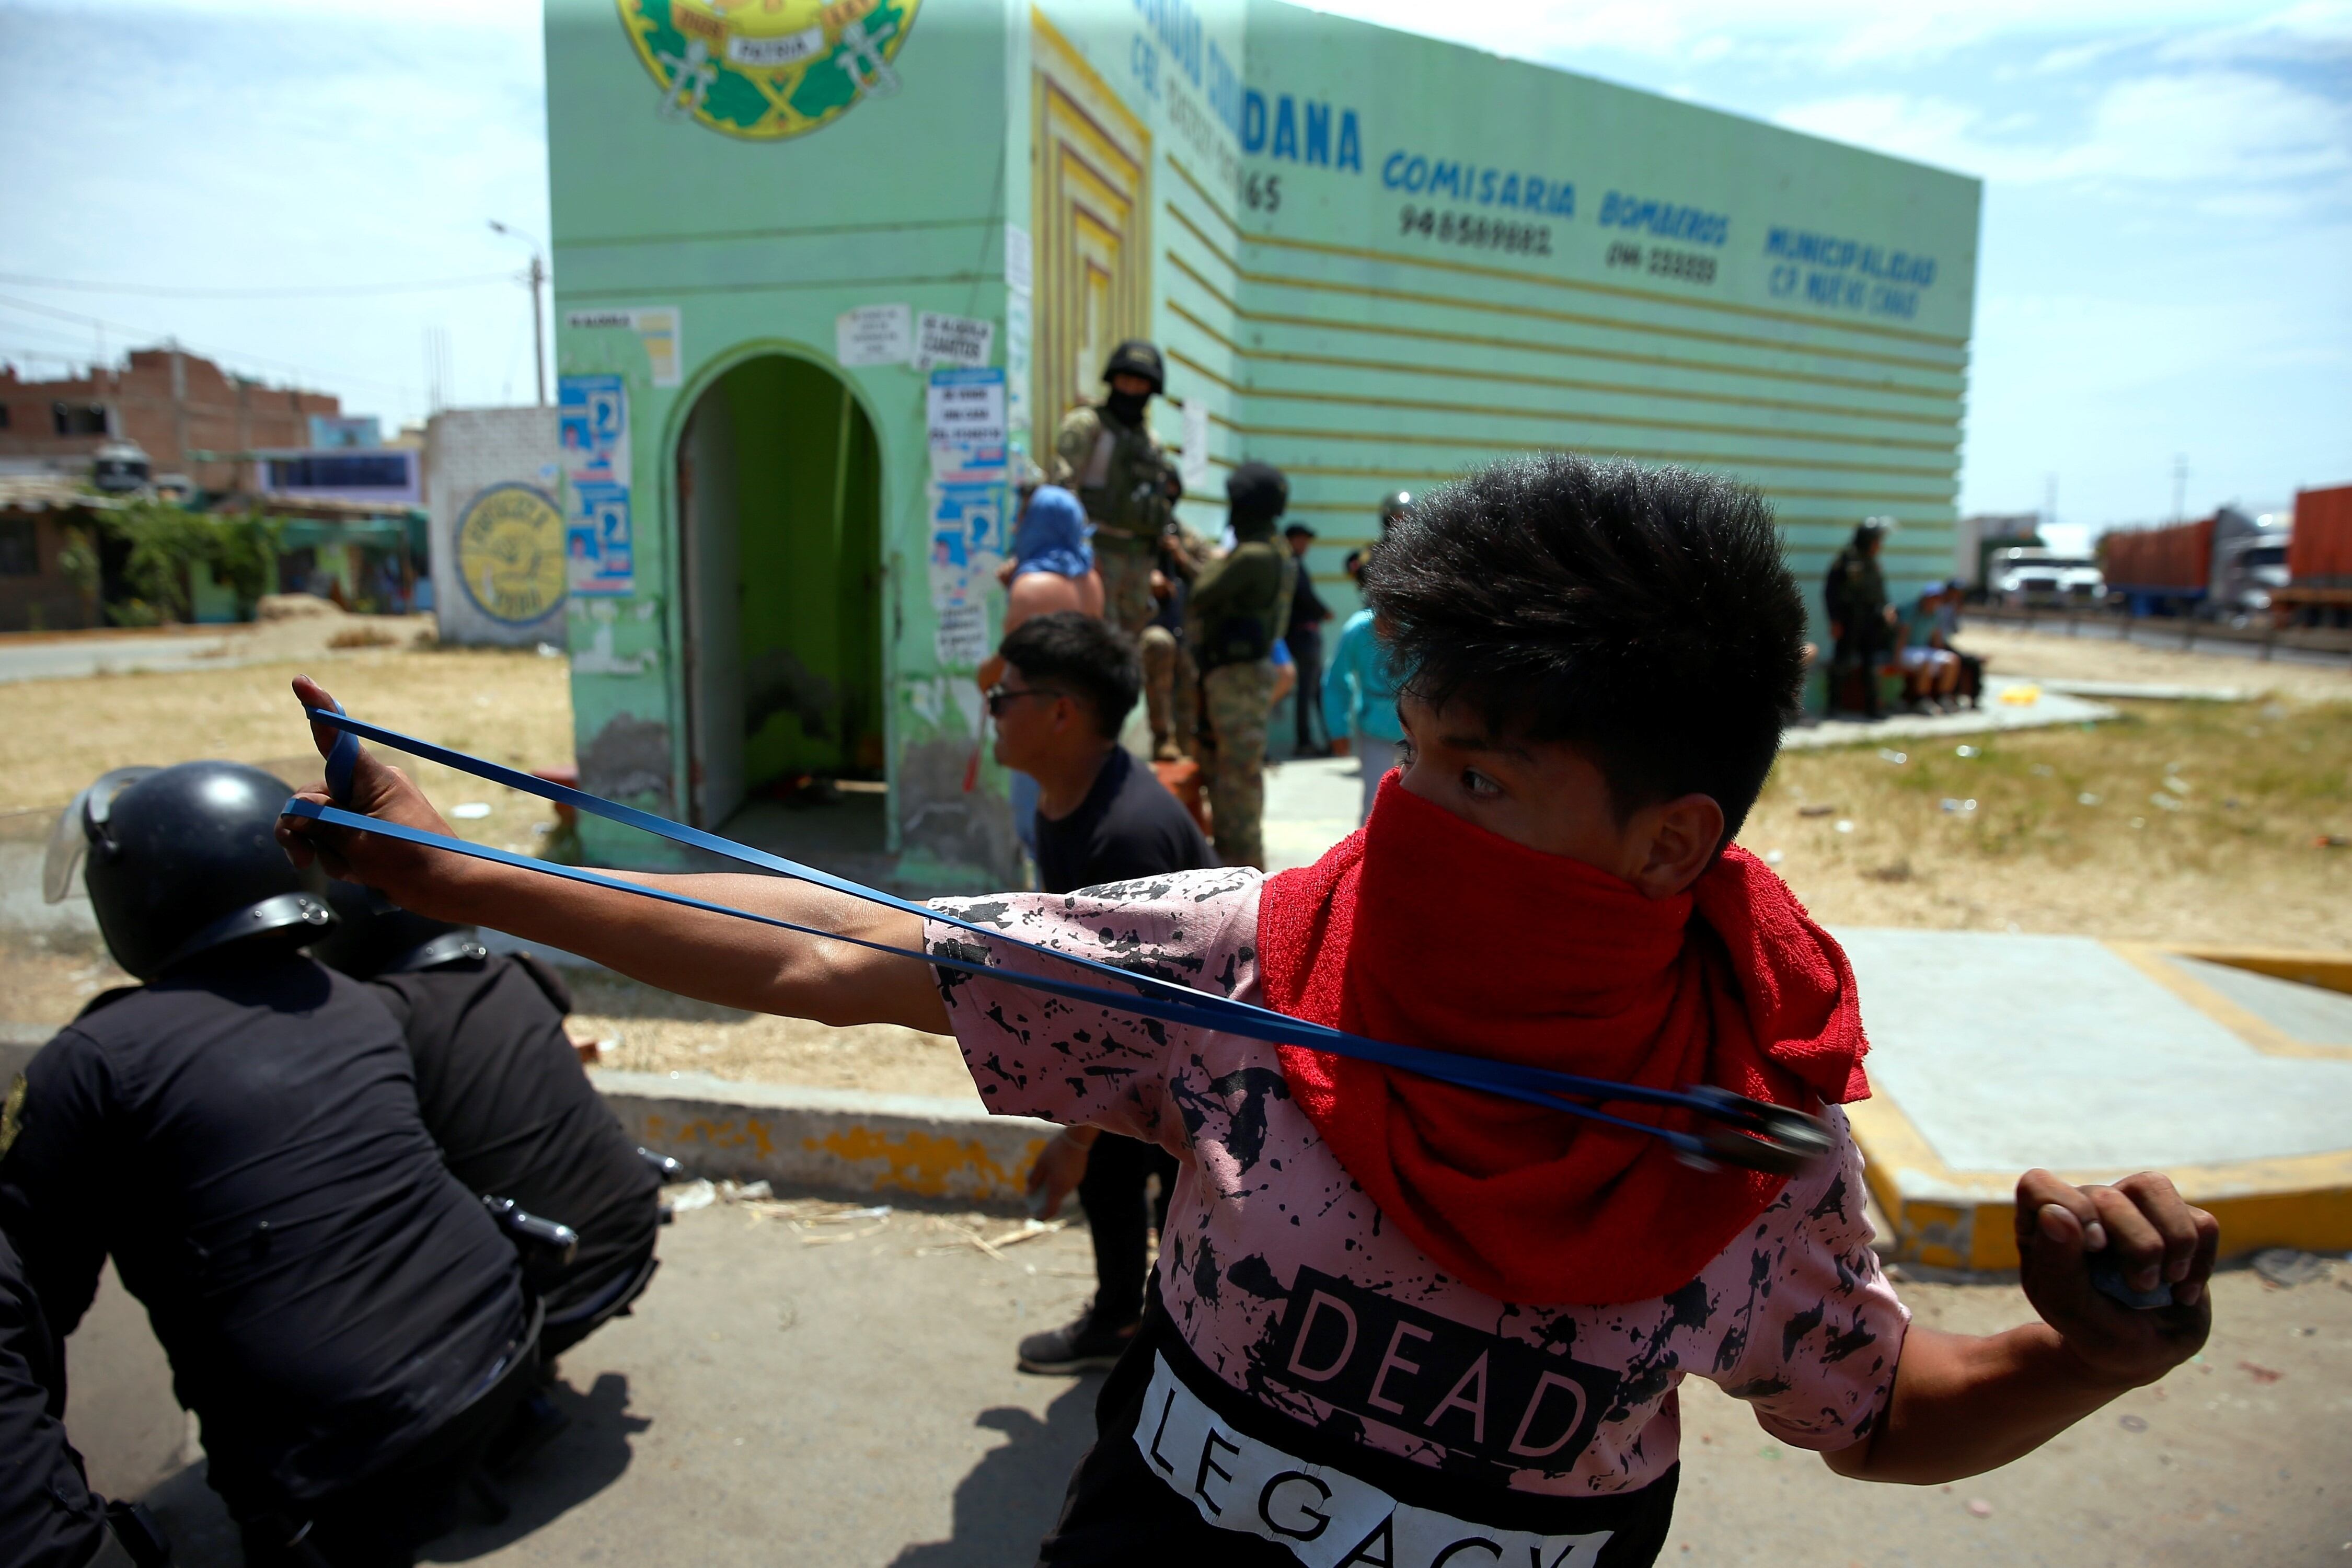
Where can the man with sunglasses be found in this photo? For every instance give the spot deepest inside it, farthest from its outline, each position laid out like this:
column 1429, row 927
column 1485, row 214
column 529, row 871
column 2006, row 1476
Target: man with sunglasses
column 1069, row 683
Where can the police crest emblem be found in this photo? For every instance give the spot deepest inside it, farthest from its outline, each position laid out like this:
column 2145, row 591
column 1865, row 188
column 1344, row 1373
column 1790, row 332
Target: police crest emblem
column 766, row 69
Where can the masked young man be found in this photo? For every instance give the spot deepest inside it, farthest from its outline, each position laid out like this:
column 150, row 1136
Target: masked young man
column 1401, row 1322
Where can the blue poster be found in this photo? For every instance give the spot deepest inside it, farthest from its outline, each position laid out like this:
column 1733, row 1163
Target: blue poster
column 599, row 547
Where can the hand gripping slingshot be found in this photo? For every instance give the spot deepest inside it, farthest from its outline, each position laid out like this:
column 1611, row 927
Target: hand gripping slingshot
column 1734, row 1129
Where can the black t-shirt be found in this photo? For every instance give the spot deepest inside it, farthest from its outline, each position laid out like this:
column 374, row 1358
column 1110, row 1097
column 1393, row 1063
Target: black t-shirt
column 504, row 1095
column 244, row 1140
column 47, row 1516
column 1128, row 826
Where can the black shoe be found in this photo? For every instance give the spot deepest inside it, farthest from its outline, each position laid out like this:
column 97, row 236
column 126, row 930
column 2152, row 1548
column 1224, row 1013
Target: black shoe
column 1082, row 1346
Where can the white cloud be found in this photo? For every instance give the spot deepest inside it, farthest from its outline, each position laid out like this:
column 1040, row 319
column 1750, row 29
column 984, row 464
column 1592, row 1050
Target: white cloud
column 2224, row 126
column 1838, row 33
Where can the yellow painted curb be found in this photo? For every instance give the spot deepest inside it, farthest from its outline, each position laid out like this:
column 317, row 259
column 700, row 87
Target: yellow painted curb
column 1966, row 1219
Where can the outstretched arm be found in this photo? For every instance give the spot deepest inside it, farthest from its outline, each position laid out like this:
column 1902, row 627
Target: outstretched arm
column 1962, row 1405
column 716, row 958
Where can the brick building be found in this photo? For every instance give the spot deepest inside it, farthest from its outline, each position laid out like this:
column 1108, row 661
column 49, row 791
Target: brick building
column 169, row 402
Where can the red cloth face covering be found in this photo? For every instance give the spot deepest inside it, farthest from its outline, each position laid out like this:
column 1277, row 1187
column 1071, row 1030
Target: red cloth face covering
column 1427, row 930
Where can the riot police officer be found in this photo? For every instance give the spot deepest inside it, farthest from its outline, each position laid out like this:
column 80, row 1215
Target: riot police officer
column 503, row 1092
column 1106, row 455
column 241, row 1134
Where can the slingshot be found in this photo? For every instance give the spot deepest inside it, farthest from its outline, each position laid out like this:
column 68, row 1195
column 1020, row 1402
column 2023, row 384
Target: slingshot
column 1735, row 1130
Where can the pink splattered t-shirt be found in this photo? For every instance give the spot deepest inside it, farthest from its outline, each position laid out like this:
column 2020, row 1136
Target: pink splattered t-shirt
column 1300, row 1313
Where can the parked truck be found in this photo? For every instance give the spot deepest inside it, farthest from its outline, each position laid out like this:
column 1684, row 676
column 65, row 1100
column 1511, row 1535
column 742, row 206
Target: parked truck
column 2173, row 571
column 2318, row 591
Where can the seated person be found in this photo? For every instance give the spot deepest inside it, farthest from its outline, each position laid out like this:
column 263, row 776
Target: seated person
column 1102, row 816
column 1395, row 1319
column 1931, row 672
column 503, row 1093
column 241, row 1134
column 1948, row 628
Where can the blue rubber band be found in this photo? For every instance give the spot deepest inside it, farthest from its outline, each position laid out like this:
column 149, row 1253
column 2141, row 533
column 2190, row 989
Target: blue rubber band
column 1466, row 1072
column 343, row 760
column 1204, row 1009
column 1146, row 995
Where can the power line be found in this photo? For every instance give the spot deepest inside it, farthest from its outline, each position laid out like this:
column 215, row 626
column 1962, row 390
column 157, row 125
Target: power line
column 210, row 350
column 326, row 290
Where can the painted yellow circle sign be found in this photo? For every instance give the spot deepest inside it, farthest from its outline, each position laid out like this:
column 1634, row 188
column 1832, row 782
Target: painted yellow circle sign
column 771, row 69
column 510, row 553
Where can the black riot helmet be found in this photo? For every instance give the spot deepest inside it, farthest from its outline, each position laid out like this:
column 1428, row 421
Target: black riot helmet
column 184, row 860
column 372, row 936
column 1394, row 505
column 1136, row 357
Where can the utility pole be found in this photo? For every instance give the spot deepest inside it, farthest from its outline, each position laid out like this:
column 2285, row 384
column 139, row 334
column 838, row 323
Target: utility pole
column 536, row 276
column 2180, row 488
column 2050, row 501
column 538, row 339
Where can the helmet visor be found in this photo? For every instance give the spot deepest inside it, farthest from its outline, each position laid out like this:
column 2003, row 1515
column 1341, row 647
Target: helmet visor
column 80, row 821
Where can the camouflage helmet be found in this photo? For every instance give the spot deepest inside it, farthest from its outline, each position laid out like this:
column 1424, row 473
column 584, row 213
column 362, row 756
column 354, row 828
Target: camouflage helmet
column 1394, row 505
column 1137, row 357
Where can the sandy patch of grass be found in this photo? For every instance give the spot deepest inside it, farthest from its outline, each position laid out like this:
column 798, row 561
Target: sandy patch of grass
column 2053, row 656
column 2180, row 822
column 659, row 1032
column 510, row 707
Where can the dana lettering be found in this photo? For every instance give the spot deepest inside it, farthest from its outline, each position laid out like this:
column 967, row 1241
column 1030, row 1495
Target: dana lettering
column 1477, row 1394
column 1301, row 130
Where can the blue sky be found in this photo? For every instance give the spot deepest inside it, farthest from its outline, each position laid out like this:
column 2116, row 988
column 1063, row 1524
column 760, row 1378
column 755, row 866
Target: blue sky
column 2166, row 263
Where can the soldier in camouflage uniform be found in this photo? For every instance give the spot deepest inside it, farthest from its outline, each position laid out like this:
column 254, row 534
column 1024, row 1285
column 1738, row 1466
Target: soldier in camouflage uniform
column 1107, row 454
column 1238, row 608
column 1171, row 682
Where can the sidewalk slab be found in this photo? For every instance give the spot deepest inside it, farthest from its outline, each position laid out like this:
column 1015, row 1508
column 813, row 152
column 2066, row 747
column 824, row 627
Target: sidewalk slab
column 1992, row 1053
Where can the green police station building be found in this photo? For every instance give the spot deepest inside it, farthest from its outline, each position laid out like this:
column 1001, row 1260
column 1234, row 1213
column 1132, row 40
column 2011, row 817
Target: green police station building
column 823, row 271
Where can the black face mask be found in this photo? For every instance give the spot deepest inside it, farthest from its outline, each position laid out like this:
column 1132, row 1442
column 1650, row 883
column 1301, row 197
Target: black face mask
column 1127, row 407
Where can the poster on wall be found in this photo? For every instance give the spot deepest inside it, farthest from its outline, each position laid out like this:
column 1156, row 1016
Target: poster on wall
column 599, row 546
column 1019, row 325
column 953, row 340
column 965, row 408
column 1194, row 468
column 660, row 328
column 874, row 334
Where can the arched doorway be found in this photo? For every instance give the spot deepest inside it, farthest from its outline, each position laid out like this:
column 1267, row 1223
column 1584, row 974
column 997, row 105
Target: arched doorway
column 780, row 510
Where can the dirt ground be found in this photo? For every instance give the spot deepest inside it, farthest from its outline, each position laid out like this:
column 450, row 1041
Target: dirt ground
column 2181, row 821
column 2178, row 821
column 2053, row 656
column 511, row 707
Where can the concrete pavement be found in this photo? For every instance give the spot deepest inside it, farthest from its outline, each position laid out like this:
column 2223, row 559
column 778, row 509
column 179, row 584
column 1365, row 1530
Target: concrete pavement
column 839, row 1395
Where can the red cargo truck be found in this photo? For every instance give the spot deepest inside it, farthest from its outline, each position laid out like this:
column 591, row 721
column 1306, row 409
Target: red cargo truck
column 2319, row 561
column 2161, row 571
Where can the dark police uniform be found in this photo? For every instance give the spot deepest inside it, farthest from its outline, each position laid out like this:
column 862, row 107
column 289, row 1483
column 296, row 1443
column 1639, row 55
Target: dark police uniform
column 243, row 1138
column 503, row 1094
column 48, row 1518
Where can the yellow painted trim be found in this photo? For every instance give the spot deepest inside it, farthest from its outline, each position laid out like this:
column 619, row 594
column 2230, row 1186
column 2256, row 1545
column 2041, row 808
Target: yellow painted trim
column 2252, row 1027
column 1726, row 307
column 1602, row 323
column 2328, row 971
column 1527, row 345
column 1495, row 411
column 1203, row 191
column 1442, row 475
column 1085, row 71
column 1181, row 216
column 1966, row 1219
column 1566, row 383
column 1749, row 460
